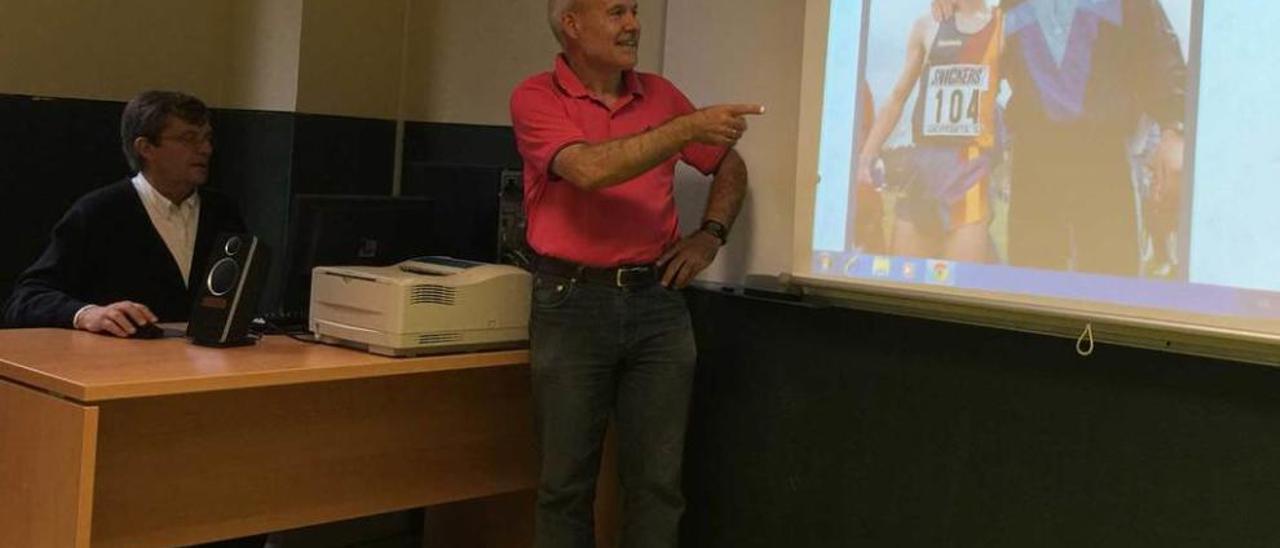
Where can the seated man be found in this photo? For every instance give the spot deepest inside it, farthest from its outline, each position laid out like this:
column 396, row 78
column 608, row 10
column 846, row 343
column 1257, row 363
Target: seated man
column 127, row 254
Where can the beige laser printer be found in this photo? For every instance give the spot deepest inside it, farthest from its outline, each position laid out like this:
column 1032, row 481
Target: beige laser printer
column 426, row 305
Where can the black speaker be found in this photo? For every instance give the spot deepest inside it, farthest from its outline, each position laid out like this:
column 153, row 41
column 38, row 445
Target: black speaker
column 227, row 298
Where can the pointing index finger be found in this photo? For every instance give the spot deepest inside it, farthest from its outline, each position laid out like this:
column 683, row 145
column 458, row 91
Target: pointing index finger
column 742, row 110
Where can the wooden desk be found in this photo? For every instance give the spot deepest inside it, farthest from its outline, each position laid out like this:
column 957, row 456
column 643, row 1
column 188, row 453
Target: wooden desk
column 159, row 443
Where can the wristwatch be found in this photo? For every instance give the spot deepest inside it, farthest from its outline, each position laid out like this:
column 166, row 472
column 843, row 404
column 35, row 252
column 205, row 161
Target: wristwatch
column 717, row 229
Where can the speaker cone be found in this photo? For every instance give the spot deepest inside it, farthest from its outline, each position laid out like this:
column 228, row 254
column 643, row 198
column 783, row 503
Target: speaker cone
column 222, row 277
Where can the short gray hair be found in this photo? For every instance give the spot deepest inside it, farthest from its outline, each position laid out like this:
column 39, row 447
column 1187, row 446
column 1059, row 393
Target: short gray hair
column 555, row 15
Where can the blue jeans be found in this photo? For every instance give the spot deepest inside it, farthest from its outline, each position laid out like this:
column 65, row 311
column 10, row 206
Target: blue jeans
column 598, row 351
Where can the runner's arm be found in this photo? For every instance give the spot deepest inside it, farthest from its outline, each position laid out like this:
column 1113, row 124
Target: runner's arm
column 891, row 112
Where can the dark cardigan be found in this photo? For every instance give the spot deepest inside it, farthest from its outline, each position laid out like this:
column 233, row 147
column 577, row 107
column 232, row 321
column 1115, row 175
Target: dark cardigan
column 104, row 250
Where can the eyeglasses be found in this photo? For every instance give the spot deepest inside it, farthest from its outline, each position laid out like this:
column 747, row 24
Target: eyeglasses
column 190, row 139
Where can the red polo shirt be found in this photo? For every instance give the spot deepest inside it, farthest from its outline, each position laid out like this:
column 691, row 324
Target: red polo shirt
column 629, row 223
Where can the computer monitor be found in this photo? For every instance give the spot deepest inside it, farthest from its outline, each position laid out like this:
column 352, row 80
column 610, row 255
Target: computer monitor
column 327, row 230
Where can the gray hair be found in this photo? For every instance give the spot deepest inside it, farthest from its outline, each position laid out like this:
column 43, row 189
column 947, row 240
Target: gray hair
column 555, row 16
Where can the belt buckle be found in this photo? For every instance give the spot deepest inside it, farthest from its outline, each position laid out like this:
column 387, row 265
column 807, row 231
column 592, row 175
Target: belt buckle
column 618, row 274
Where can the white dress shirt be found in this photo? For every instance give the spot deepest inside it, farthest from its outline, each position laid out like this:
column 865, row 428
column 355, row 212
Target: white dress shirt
column 176, row 223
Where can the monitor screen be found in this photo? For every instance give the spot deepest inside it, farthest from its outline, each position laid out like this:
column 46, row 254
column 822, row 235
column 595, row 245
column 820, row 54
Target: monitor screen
column 327, row 230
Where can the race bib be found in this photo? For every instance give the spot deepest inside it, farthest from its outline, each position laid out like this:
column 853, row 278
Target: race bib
column 951, row 100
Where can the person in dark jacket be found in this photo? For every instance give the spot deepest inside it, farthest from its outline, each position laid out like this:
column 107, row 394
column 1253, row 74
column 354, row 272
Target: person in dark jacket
column 129, row 253
column 1083, row 74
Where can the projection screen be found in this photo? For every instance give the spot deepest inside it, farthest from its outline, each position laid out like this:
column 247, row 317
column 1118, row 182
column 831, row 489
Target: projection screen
column 1109, row 161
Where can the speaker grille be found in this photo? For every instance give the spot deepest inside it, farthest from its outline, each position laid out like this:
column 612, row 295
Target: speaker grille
column 439, row 338
column 222, row 276
column 432, row 294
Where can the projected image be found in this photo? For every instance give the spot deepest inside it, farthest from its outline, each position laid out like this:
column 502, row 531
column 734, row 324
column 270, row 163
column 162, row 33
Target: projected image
column 1041, row 133
column 1048, row 150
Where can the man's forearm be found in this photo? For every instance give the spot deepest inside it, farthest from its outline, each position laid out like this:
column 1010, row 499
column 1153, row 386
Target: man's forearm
column 35, row 304
column 606, row 164
column 728, row 189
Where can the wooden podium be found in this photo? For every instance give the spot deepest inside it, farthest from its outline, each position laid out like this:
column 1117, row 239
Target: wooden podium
column 111, row 442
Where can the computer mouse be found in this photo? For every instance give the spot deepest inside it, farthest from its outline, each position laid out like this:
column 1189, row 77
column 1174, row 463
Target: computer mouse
column 147, row 331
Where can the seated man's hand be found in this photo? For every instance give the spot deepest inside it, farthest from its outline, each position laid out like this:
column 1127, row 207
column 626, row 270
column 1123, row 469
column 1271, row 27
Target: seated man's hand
column 119, row 318
column 683, row 261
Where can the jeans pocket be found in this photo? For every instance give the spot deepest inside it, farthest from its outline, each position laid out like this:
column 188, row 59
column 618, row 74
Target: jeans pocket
column 551, row 291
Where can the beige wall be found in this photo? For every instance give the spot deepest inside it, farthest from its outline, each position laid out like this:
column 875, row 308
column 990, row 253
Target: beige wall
column 264, row 42
column 465, row 57
column 351, row 57
column 317, row 56
column 721, row 51
column 110, row 50
column 457, row 63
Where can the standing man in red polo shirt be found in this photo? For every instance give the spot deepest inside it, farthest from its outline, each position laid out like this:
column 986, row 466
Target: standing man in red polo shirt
column 610, row 332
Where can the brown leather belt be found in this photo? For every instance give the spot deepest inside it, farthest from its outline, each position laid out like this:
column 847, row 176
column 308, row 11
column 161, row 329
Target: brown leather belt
column 619, row 276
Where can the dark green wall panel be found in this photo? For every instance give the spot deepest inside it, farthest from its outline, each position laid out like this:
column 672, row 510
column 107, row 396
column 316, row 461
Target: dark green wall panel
column 821, row 427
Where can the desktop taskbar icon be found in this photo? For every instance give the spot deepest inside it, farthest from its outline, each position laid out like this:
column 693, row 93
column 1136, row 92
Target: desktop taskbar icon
column 940, row 272
column 881, row 266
